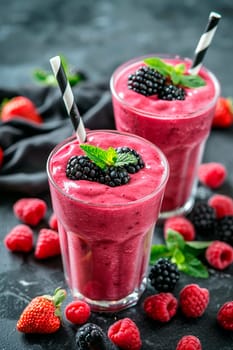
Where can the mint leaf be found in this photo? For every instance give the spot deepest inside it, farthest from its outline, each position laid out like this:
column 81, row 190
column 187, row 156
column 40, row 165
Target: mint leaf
column 199, row 245
column 174, row 240
column 175, row 73
column 99, row 156
column 125, row 159
column 158, row 251
column 178, row 257
column 195, row 268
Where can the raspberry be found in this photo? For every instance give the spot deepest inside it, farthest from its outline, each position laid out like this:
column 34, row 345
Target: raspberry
column 219, row 255
column 48, row 244
column 225, row 316
column 194, row 300
column 161, row 307
column 182, row 226
column 189, row 342
column 224, row 230
column 164, row 275
column 223, row 205
column 53, row 222
column 125, row 334
column 203, row 218
column 212, row 174
column 19, row 239
column 30, row 210
column 77, row 312
column 91, row 337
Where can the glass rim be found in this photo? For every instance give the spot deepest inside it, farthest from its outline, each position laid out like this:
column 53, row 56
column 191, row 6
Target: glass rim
column 158, row 188
column 197, row 112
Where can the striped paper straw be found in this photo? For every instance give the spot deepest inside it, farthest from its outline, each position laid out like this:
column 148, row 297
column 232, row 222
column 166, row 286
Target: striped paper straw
column 204, row 42
column 68, row 98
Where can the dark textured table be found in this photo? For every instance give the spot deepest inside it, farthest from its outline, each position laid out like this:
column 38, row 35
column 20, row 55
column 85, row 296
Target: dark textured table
column 97, row 37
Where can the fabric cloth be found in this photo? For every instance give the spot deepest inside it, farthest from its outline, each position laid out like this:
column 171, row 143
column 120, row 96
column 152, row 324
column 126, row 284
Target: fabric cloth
column 27, row 145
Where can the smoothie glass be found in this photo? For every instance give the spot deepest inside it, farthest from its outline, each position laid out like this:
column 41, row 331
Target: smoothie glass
column 106, row 233
column 179, row 128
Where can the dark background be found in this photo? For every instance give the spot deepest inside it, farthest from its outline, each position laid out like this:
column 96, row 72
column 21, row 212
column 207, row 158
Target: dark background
column 97, row 36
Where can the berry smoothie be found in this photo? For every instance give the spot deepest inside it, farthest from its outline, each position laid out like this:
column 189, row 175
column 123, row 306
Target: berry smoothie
column 106, row 232
column 179, row 128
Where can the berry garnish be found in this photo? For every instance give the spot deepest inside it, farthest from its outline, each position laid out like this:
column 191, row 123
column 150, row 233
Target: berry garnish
column 171, row 92
column 164, row 275
column 189, row 342
column 219, row 255
column 125, row 334
column 77, row 312
column 225, row 316
column 109, row 167
column 42, row 314
column 223, row 117
column 161, row 307
column 194, row 300
column 91, row 337
column 146, row 81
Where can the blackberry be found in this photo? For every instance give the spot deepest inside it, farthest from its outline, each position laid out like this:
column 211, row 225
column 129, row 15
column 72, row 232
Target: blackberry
column 81, row 168
column 132, row 168
column 146, row 81
column 171, row 92
column 164, row 275
column 224, row 230
column 91, row 337
column 203, row 218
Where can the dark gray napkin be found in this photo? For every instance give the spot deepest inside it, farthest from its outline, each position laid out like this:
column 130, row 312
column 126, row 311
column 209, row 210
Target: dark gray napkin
column 27, row 146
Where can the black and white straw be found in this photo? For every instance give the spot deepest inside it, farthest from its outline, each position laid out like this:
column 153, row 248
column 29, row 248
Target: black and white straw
column 204, row 42
column 68, row 98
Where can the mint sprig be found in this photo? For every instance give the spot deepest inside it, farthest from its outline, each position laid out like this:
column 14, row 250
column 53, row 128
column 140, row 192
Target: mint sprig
column 176, row 73
column 104, row 158
column 47, row 78
column 183, row 254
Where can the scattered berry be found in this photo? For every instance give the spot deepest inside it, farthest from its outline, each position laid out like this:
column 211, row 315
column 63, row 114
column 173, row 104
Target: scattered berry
column 219, row 255
column 1, row 156
column 19, row 239
column 189, row 342
column 225, row 316
column 203, row 218
column 20, row 107
column 53, row 222
column 77, row 312
column 146, row 81
column 223, row 117
column 125, row 334
column 224, row 230
column 42, row 314
column 181, row 225
column 48, row 244
column 171, row 92
column 164, row 275
column 194, row 300
column 30, row 210
column 132, row 168
column 212, row 174
column 91, row 337
column 161, row 307
column 222, row 204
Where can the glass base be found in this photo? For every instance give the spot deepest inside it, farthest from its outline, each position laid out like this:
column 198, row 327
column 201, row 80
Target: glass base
column 114, row 305
column 184, row 210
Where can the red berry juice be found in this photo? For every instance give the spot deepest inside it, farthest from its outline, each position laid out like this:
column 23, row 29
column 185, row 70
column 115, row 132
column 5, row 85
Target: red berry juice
column 106, row 232
column 178, row 128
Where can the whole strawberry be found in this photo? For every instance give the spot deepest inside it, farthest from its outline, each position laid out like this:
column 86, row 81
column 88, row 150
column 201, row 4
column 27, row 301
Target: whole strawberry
column 20, row 107
column 42, row 314
column 223, row 117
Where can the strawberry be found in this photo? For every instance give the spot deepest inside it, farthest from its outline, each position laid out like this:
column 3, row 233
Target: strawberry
column 42, row 314
column 48, row 244
column 223, row 117
column 1, row 156
column 20, row 107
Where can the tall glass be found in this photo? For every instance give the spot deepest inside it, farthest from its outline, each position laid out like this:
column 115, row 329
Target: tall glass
column 179, row 128
column 106, row 233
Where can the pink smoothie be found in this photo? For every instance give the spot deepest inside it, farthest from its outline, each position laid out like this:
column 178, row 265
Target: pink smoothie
column 178, row 128
column 106, row 232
